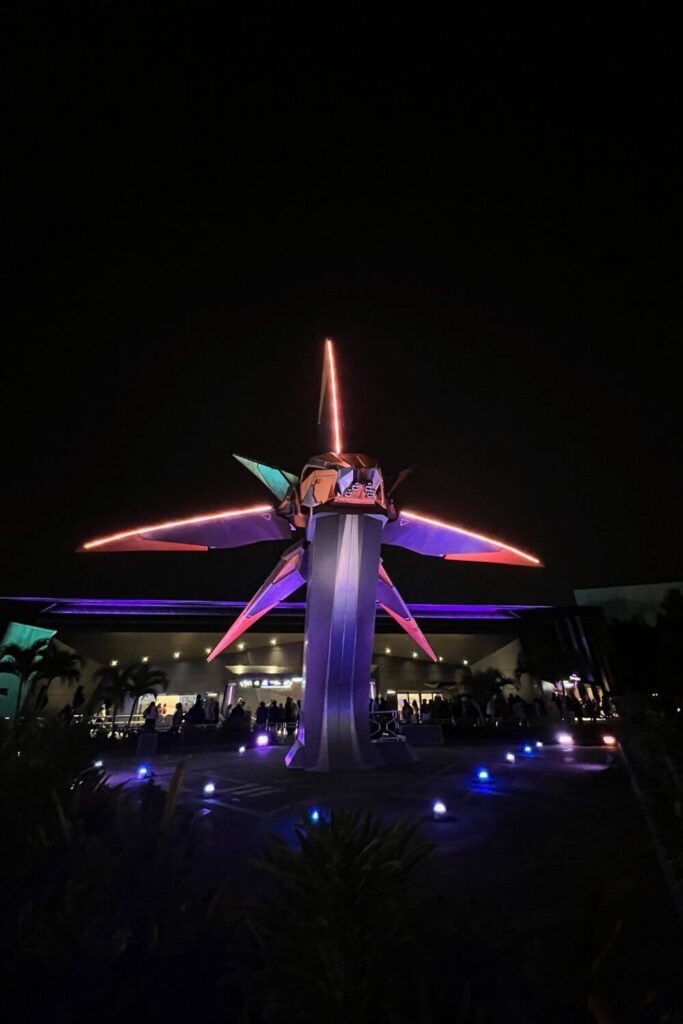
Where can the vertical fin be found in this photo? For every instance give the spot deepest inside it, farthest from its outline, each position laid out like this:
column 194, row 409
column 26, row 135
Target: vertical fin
column 329, row 385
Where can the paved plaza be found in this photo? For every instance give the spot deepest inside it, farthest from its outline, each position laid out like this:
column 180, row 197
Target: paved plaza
column 554, row 843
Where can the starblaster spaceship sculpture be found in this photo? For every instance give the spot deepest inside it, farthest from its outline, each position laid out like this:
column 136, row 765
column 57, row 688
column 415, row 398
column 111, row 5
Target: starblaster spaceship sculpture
column 341, row 513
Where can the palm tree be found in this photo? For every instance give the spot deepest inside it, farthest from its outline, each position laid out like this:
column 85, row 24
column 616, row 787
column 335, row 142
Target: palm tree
column 145, row 679
column 116, row 683
column 483, row 683
column 22, row 662
column 57, row 663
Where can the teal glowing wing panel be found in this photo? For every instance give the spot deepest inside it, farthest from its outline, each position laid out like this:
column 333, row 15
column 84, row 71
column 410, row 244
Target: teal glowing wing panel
column 276, row 480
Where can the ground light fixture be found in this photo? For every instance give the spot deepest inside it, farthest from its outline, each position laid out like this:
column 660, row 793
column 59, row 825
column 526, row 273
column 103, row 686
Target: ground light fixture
column 144, row 771
column 609, row 741
column 565, row 739
column 242, row 750
column 209, row 789
column 262, row 740
column 98, row 764
column 439, row 810
column 510, row 758
column 527, row 749
column 539, row 745
column 483, row 775
column 314, row 816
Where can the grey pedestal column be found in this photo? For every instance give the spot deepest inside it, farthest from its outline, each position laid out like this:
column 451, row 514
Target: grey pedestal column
column 344, row 554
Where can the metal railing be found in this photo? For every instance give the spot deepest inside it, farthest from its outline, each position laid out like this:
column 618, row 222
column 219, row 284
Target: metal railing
column 385, row 725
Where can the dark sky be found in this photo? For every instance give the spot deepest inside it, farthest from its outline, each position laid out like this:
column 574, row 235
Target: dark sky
column 492, row 238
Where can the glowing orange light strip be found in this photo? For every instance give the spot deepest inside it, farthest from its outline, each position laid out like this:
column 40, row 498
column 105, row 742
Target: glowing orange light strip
column 335, row 396
column 175, row 522
column 477, row 536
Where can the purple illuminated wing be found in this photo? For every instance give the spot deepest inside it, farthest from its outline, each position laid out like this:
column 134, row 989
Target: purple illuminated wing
column 288, row 575
column 218, row 530
column 454, row 543
column 391, row 601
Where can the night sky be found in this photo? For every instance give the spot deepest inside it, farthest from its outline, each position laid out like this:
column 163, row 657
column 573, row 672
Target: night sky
column 492, row 239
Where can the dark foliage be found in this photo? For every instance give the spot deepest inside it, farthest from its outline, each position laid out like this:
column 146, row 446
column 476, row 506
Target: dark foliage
column 99, row 895
column 107, row 915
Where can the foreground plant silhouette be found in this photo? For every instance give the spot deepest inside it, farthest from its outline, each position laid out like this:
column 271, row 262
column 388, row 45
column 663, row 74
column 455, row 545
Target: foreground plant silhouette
column 110, row 914
column 345, row 910
column 99, row 886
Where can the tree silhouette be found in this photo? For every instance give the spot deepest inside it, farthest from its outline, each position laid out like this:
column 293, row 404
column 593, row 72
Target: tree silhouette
column 22, row 662
column 56, row 663
column 115, row 684
column 145, row 679
column 670, row 639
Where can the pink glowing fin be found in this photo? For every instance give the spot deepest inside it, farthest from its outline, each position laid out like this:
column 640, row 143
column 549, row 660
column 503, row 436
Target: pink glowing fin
column 288, row 575
column 229, row 529
column 329, row 388
column 391, row 601
column 454, row 543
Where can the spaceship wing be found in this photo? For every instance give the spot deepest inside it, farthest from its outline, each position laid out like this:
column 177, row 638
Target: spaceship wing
column 391, row 601
column 289, row 574
column 454, row 543
column 276, row 480
column 229, row 529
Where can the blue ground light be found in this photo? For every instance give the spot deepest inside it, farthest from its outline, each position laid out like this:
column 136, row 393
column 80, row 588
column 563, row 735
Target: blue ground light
column 483, row 775
column 209, row 789
column 314, row 816
column 144, row 771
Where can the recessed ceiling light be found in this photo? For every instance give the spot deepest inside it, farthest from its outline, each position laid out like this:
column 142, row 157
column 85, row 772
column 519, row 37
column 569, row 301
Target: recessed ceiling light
column 387, row 650
column 465, row 661
column 240, row 647
column 440, row 657
column 176, row 654
column 273, row 641
column 415, row 654
column 145, row 658
column 114, row 662
column 207, row 650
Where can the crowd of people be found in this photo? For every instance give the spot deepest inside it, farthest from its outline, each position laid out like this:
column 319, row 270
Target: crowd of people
column 282, row 718
column 439, row 709
column 567, row 707
column 203, row 712
column 277, row 718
